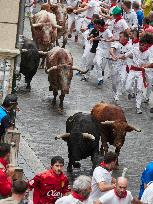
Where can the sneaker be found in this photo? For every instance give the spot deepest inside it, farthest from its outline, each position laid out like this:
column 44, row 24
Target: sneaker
column 76, row 38
column 100, row 82
column 78, row 74
column 146, row 100
column 69, row 35
column 129, row 96
column 151, row 110
column 139, row 111
column 116, row 98
column 84, row 79
column 133, row 95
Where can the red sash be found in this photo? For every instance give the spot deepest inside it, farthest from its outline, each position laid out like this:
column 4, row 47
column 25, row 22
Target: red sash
column 140, row 69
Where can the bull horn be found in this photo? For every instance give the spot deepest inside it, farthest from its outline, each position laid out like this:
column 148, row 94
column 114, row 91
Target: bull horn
column 50, row 69
column 62, row 136
column 79, row 70
column 57, row 26
column 24, row 50
column 42, row 52
column 88, row 136
column 37, row 24
column 107, row 122
column 134, row 128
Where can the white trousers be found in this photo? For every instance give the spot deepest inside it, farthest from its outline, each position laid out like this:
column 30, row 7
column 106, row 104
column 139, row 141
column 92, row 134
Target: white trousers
column 150, row 82
column 119, row 76
column 71, row 20
column 132, row 76
column 100, row 62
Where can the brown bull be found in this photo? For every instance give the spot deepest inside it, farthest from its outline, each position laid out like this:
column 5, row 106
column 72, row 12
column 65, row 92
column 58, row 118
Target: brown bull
column 113, row 125
column 61, row 18
column 59, row 68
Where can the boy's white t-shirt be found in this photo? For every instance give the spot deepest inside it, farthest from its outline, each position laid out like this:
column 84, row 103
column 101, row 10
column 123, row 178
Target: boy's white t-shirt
column 99, row 175
column 111, row 198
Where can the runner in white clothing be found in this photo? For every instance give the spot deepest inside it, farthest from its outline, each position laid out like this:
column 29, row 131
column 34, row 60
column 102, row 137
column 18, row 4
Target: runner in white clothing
column 147, row 196
column 80, row 192
column 130, row 15
column 102, row 51
column 102, row 180
column 118, row 195
column 140, row 56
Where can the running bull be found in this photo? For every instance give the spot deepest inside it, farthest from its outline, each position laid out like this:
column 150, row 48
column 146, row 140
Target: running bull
column 30, row 58
column 82, row 137
column 59, row 67
column 114, row 125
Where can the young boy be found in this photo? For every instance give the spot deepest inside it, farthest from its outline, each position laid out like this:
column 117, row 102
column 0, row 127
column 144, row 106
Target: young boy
column 102, row 51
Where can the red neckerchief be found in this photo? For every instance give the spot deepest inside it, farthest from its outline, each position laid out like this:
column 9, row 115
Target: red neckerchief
column 77, row 196
column 118, row 18
column 112, row 5
column 3, row 162
column 103, row 164
column 102, row 29
column 134, row 41
column 140, row 69
column 146, row 47
column 125, row 42
column 123, row 194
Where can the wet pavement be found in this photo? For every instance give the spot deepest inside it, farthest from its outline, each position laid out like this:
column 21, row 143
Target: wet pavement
column 39, row 123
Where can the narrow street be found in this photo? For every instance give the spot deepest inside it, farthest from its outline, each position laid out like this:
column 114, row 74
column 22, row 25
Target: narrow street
column 39, row 123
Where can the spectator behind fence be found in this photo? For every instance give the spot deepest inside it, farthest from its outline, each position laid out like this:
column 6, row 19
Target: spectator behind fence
column 7, row 114
column 51, row 184
column 6, row 173
column 80, row 192
column 18, row 192
column 102, row 180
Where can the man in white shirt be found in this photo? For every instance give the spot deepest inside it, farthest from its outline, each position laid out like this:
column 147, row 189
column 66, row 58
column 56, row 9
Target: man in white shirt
column 119, row 195
column 130, row 15
column 102, row 180
column 147, row 196
column 80, row 192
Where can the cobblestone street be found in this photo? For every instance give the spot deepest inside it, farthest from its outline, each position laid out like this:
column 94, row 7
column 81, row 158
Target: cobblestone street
column 39, row 123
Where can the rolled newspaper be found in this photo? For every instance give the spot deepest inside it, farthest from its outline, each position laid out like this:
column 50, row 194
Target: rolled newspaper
column 124, row 172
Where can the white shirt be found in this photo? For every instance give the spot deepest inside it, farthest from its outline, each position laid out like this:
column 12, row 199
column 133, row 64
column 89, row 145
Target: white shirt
column 147, row 196
column 111, row 198
column 72, row 3
column 118, row 27
column 131, row 19
column 68, row 200
column 140, row 58
column 99, row 175
column 104, row 36
column 93, row 4
column 120, row 50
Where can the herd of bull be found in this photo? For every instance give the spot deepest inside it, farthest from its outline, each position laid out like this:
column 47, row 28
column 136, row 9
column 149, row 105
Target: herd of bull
column 106, row 122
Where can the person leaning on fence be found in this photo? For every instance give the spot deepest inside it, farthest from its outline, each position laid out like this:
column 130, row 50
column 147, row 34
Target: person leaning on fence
column 7, row 114
column 18, row 193
column 80, row 192
column 6, row 172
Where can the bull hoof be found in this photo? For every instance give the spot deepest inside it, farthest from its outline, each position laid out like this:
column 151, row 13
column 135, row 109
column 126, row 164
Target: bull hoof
column 60, row 110
column 53, row 103
column 77, row 165
column 28, row 88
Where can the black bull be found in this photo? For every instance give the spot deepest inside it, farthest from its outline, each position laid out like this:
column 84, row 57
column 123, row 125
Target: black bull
column 82, row 137
column 29, row 61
